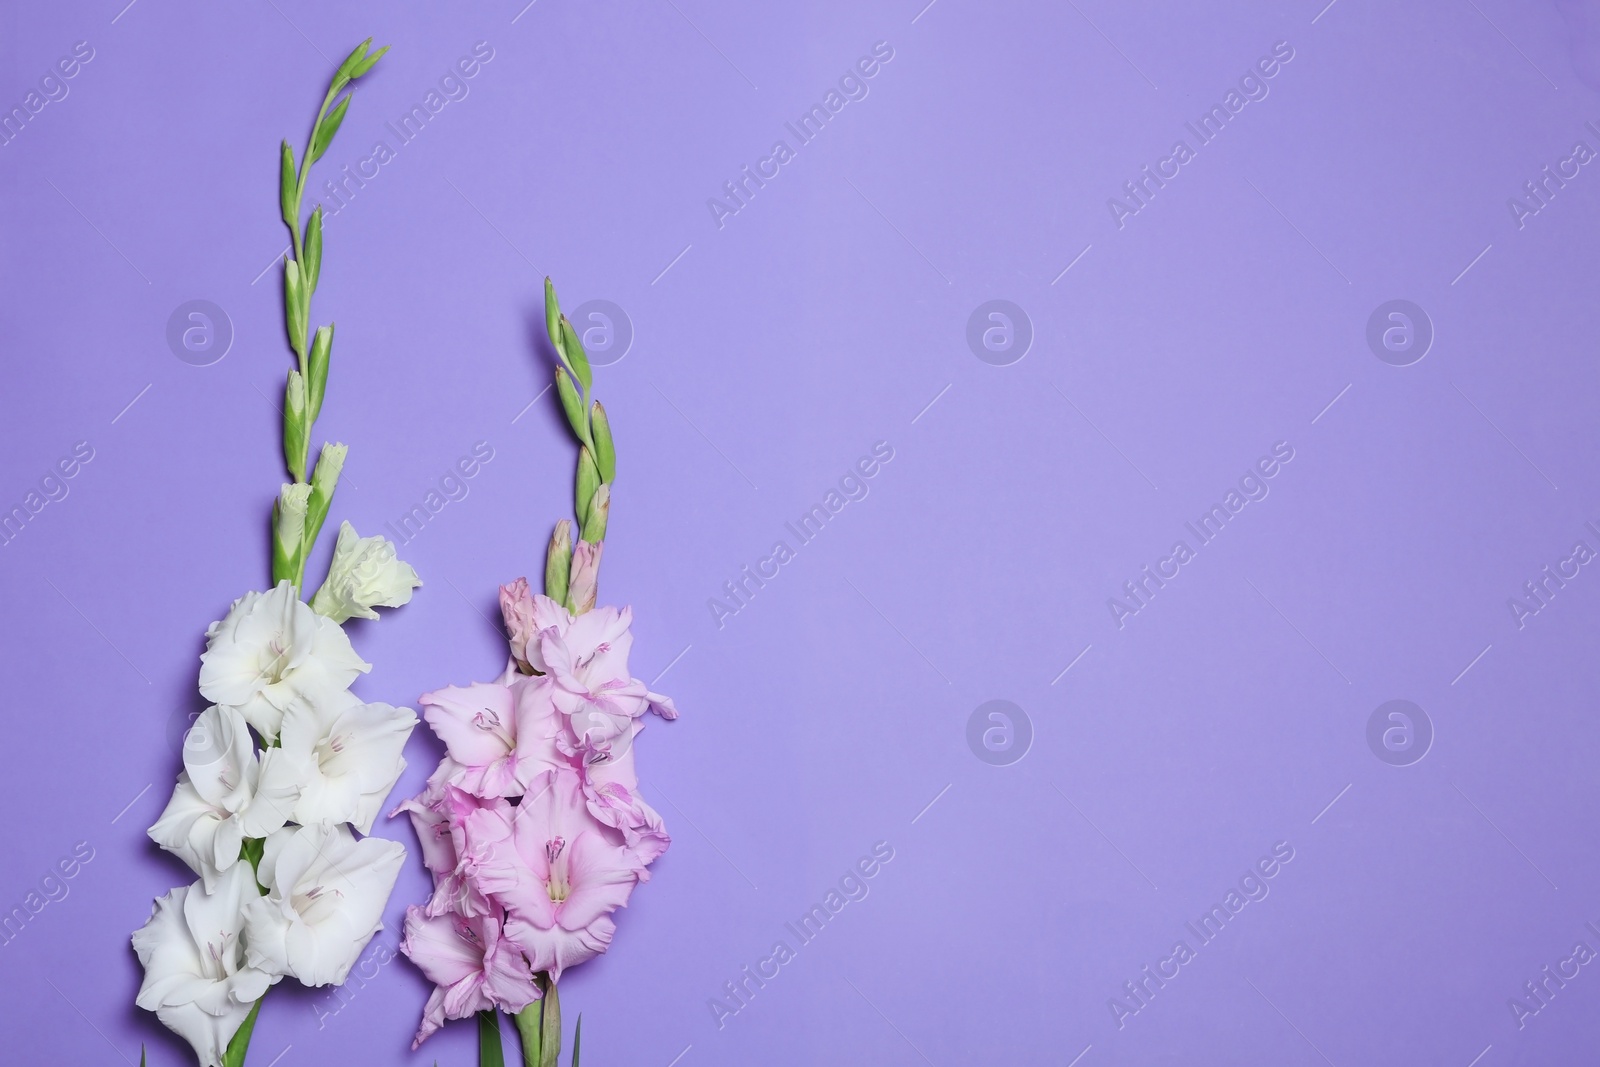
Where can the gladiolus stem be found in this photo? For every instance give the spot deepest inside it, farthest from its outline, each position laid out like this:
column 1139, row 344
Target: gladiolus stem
column 490, row 1052
column 301, row 270
column 597, row 454
column 240, row 1045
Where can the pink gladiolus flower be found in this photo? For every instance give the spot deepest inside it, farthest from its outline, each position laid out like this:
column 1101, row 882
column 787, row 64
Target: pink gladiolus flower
column 611, row 790
column 436, row 816
column 432, row 824
column 560, row 874
column 473, row 967
column 500, row 742
column 532, row 826
column 587, row 658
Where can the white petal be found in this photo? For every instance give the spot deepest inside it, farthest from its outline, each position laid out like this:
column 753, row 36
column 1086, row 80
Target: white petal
column 219, row 755
column 207, row 1034
column 187, row 828
column 326, row 892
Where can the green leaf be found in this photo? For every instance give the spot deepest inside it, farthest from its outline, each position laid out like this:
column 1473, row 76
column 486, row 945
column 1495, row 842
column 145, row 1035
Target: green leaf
column 577, row 1039
column 576, row 356
column 558, row 562
column 311, row 269
column 368, row 63
column 605, row 450
column 293, row 306
column 330, row 126
column 550, row 1026
column 588, row 481
column 287, row 188
column 552, row 314
column 234, row 1056
column 141, row 1055
column 490, row 1053
column 317, row 371
column 571, row 404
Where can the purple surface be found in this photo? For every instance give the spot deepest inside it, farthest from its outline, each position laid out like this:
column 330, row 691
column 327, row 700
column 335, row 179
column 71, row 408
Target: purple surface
column 1229, row 313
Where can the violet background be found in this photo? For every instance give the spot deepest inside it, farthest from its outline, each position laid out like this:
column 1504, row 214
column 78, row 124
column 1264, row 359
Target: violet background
column 771, row 354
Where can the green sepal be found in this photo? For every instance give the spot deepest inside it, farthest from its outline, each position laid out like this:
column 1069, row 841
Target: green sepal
column 294, row 306
column 283, row 564
column 311, row 268
column 577, row 1039
column 549, row 1025
column 594, row 523
column 572, row 346
column 528, row 1022
column 296, row 427
column 330, row 126
column 605, row 450
column 287, row 187
column 368, row 63
column 250, row 850
column 234, row 1056
column 571, row 404
column 558, row 562
column 588, row 481
column 490, row 1052
column 552, row 314
column 317, row 371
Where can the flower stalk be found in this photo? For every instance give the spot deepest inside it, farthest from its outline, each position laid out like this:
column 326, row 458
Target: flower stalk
column 286, row 769
column 313, row 349
column 533, row 827
column 572, row 573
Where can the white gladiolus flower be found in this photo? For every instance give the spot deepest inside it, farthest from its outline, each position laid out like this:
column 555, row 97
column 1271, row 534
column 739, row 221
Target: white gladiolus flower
column 271, row 648
column 365, row 573
column 325, row 898
column 224, row 795
column 344, row 756
column 196, row 979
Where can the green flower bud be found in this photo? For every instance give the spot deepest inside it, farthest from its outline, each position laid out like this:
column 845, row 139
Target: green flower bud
column 594, row 524
column 577, row 358
column 322, row 137
column 296, row 427
column 588, row 481
column 323, row 480
column 317, row 371
column 571, row 404
column 552, row 315
column 289, row 525
column 293, row 306
column 605, row 451
column 311, row 269
column 558, row 562
column 368, row 63
column 288, row 186
column 348, row 65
